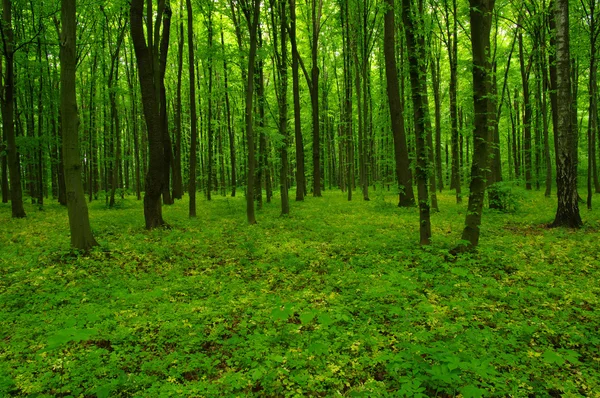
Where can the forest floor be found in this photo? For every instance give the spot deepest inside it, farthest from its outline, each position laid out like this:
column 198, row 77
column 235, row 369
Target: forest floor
column 337, row 299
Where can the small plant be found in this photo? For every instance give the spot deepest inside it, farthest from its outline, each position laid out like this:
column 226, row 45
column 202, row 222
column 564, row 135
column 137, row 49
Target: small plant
column 502, row 197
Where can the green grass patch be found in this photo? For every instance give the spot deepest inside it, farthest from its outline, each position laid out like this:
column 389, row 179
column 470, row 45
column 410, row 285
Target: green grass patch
column 335, row 300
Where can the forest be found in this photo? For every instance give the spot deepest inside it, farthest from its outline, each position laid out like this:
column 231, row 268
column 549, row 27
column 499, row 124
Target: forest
column 356, row 198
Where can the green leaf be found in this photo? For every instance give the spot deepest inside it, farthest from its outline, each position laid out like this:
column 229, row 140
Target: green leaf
column 325, row 319
column 551, row 357
column 318, row 348
column 471, row 391
column 307, row 317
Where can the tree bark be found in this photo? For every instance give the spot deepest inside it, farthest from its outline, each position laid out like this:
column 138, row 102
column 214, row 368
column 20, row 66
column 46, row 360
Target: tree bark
column 417, row 54
column 481, row 22
column 406, row 194
column 252, row 18
column 193, row 116
column 567, row 213
column 177, row 172
column 79, row 223
column 150, row 101
column 8, row 103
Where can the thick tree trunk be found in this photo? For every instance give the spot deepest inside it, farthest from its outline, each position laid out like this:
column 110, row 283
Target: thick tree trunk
column 406, row 195
column 81, row 232
column 150, row 102
column 567, row 213
column 8, row 103
column 481, row 21
column 415, row 41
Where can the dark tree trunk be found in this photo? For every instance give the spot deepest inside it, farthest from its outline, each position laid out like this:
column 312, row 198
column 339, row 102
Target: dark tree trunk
column 300, row 167
column 435, row 81
column 316, row 7
column 230, row 132
column 406, row 195
column 455, row 181
column 150, row 100
column 567, row 213
column 252, row 18
column 177, row 173
column 415, row 41
column 481, row 21
column 8, row 103
column 193, row 116
column 525, row 69
column 79, row 223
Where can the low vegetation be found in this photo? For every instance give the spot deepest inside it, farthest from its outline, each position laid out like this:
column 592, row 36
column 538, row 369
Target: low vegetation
column 335, row 300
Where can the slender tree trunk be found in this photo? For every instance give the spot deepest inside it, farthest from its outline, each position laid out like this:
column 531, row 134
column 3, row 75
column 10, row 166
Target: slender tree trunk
column 81, row 232
column 193, row 116
column 455, row 181
column 415, row 41
column 177, row 172
column 252, row 18
column 317, row 6
column 435, row 81
column 527, row 115
column 8, row 103
column 406, row 195
column 300, row 166
column 481, row 22
column 231, row 135
column 567, row 213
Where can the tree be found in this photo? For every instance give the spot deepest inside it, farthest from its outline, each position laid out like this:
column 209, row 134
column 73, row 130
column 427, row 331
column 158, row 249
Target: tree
column 417, row 56
column 79, row 223
column 481, row 23
column 193, row 116
column 406, row 195
column 251, row 10
column 147, row 56
column 279, row 14
column 300, row 174
column 8, row 103
column 567, row 212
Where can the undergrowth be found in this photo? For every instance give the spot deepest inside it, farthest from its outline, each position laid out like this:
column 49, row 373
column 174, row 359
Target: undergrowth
column 335, row 300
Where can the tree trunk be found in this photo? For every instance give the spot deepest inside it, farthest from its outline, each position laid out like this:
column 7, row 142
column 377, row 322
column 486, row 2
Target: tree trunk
column 455, row 181
column 481, row 21
column 300, row 167
column 415, row 41
column 252, row 18
column 230, row 132
column 150, row 101
column 526, row 116
column 193, row 116
column 567, row 213
column 79, row 223
column 177, row 172
column 317, row 6
column 406, row 195
column 8, row 103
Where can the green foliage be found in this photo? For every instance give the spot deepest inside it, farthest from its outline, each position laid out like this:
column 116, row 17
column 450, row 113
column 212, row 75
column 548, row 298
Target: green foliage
column 334, row 300
column 502, row 196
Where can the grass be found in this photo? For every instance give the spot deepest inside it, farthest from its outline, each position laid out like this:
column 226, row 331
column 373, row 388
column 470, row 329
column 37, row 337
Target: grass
column 335, row 300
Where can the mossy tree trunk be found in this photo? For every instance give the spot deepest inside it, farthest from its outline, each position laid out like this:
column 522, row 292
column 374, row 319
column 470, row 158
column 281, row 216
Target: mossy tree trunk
column 79, row 223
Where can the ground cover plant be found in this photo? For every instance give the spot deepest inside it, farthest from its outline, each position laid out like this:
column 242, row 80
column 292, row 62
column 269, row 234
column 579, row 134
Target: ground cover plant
column 334, row 300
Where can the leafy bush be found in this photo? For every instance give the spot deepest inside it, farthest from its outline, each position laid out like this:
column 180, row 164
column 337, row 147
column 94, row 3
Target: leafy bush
column 503, row 197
